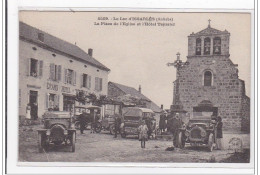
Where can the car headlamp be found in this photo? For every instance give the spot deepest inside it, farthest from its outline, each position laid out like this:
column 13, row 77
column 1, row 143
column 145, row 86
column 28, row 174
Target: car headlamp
column 203, row 133
column 187, row 133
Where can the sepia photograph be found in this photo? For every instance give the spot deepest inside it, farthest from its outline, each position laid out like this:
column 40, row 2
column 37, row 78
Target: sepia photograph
column 140, row 87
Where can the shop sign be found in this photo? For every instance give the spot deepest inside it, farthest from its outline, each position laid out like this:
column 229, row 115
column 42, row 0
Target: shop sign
column 52, row 86
column 65, row 89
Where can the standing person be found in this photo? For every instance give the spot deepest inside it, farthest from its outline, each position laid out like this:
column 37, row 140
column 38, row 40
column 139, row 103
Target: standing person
column 143, row 133
column 82, row 122
column 117, row 125
column 28, row 111
column 176, row 124
column 219, row 133
column 162, row 122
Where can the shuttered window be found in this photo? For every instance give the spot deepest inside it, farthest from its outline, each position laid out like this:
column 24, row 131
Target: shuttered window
column 55, row 72
column 98, row 84
column 70, row 76
column 35, row 67
column 86, row 81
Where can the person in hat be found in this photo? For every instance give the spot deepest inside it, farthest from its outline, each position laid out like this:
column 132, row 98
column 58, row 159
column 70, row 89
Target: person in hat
column 143, row 129
column 176, row 124
column 162, row 121
column 117, row 125
column 82, row 121
column 219, row 135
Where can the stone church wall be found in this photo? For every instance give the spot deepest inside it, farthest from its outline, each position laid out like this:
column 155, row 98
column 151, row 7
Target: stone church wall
column 225, row 93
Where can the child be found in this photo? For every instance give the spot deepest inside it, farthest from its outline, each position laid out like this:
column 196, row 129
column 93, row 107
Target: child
column 142, row 133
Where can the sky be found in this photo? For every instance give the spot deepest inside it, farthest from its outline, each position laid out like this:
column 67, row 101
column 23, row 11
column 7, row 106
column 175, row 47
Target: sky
column 137, row 55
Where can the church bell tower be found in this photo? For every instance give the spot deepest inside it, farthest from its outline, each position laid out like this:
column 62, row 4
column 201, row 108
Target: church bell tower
column 208, row 42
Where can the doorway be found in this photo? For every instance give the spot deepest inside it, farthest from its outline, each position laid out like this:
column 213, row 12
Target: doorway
column 33, row 101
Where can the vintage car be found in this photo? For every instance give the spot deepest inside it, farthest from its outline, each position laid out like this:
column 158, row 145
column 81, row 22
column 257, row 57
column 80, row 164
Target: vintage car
column 89, row 113
column 108, row 123
column 57, row 129
column 201, row 129
column 132, row 117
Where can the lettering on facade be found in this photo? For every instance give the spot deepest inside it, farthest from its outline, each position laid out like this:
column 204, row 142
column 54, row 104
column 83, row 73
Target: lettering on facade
column 65, row 89
column 52, row 87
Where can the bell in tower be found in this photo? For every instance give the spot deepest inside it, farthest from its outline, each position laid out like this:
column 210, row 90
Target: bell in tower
column 208, row 42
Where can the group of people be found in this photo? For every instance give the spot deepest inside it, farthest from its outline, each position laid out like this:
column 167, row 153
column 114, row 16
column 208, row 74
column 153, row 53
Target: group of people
column 174, row 122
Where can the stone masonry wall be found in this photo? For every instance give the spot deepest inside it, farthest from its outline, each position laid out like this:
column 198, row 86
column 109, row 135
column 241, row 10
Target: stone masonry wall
column 225, row 92
column 245, row 111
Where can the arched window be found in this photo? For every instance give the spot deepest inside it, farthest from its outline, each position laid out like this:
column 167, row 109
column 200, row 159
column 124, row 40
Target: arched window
column 207, row 78
column 198, row 46
column 206, row 46
column 217, row 46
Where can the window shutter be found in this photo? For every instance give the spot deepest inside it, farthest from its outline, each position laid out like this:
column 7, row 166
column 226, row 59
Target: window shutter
column 89, row 81
column 100, row 85
column 47, row 101
column 65, row 76
column 59, row 72
column 40, row 66
column 55, row 100
column 52, row 71
column 28, row 67
column 74, row 78
column 96, row 83
column 82, row 80
column 58, row 101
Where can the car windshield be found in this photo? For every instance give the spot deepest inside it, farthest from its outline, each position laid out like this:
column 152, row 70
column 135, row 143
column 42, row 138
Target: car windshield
column 201, row 115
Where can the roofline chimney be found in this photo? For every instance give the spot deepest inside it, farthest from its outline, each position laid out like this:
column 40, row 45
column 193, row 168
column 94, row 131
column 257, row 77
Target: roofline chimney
column 90, row 52
column 140, row 89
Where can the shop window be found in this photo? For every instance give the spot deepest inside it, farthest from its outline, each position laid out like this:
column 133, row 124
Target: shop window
column 55, row 72
column 206, row 46
column 35, row 67
column 198, row 46
column 53, row 102
column 207, row 78
column 68, row 102
column 86, row 81
column 217, row 46
column 98, row 84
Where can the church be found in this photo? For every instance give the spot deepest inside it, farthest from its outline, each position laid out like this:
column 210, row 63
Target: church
column 208, row 81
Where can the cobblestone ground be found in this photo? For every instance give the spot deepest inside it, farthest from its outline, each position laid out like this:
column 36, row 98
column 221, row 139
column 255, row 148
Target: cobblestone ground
column 103, row 147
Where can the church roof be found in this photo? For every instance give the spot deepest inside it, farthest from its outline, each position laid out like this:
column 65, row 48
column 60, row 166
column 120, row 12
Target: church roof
column 30, row 34
column 210, row 31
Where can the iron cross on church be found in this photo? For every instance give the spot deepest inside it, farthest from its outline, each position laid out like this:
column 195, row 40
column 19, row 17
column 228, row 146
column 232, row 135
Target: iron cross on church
column 177, row 63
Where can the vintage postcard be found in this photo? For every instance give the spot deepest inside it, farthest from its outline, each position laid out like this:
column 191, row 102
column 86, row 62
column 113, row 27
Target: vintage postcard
column 129, row 87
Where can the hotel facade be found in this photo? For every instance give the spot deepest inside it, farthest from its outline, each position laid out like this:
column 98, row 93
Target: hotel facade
column 51, row 71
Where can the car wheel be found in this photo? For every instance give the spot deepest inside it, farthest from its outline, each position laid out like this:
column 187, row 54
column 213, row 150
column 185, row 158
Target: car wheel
column 77, row 125
column 73, row 141
column 123, row 135
column 210, row 143
column 112, row 129
column 98, row 128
